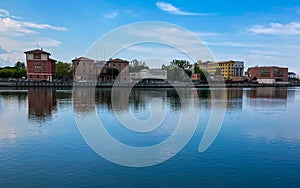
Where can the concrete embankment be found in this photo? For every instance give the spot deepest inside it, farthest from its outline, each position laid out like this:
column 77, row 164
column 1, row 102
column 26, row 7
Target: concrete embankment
column 139, row 85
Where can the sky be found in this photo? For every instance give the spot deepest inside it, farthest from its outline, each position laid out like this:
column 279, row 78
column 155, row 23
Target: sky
column 256, row 32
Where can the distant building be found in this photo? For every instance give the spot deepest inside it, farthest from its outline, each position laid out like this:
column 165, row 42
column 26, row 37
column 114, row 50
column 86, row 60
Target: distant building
column 122, row 67
column 268, row 74
column 229, row 69
column 195, row 77
column 83, row 69
column 149, row 75
column 208, row 66
column 89, row 70
column 40, row 66
column 292, row 75
column 232, row 69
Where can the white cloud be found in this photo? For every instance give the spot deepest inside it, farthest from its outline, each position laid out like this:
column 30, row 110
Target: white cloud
column 43, row 26
column 167, row 7
column 15, row 47
column 5, row 13
column 12, row 26
column 111, row 15
column 235, row 44
column 9, row 25
column 292, row 28
column 14, row 37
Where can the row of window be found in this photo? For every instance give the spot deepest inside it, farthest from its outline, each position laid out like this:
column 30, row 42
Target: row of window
column 38, row 76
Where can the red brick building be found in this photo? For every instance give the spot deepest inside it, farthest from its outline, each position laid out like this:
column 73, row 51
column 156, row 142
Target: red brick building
column 268, row 74
column 40, row 66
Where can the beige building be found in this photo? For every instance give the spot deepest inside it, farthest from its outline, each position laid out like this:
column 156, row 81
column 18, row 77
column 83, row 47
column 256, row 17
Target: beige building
column 229, row 69
column 83, row 69
column 89, row 70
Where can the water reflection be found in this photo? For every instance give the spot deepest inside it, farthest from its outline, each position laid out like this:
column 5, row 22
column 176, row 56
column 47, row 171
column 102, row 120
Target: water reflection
column 269, row 97
column 268, row 93
column 41, row 103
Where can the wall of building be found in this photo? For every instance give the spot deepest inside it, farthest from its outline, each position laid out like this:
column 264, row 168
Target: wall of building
column 280, row 74
column 40, row 66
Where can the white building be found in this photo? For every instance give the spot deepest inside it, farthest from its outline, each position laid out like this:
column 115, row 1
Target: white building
column 150, row 74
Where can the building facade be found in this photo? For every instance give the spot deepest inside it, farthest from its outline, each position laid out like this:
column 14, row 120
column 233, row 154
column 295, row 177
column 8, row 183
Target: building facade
column 268, row 74
column 208, row 66
column 40, row 66
column 149, row 75
column 83, row 69
column 229, row 69
column 119, row 66
column 89, row 70
column 232, row 69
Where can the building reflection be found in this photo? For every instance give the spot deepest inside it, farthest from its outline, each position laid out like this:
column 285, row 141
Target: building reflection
column 231, row 98
column 41, row 103
column 235, row 98
column 121, row 99
column 268, row 96
column 268, row 93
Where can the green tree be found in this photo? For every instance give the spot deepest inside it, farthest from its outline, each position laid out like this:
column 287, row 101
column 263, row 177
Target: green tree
column 136, row 66
column 203, row 74
column 20, row 65
column 184, row 65
column 63, row 70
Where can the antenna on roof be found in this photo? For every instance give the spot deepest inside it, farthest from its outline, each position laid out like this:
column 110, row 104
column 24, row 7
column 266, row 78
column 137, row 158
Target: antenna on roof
column 37, row 45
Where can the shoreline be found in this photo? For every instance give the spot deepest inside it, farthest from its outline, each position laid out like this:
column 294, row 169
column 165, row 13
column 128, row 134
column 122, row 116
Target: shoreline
column 139, row 85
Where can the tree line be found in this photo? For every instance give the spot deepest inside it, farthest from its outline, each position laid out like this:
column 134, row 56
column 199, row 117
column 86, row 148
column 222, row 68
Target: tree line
column 176, row 70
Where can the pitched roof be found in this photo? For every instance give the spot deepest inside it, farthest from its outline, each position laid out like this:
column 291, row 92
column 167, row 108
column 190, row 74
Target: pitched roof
column 82, row 59
column 117, row 60
column 53, row 60
column 37, row 51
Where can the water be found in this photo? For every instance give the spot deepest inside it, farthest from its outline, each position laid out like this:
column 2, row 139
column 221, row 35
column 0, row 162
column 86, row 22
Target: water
column 258, row 144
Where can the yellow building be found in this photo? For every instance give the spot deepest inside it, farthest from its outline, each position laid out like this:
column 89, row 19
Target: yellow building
column 229, row 69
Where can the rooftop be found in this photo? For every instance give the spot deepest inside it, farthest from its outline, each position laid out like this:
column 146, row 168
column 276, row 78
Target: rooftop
column 37, row 51
column 117, row 60
column 83, row 59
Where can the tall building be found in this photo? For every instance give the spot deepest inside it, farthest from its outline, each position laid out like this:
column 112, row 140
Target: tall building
column 83, row 69
column 268, row 74
column 40, row 66
column 208, row 66
column 229, row 69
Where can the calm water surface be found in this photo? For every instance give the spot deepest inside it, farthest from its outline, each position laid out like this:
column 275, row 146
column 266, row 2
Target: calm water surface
column 257, row 146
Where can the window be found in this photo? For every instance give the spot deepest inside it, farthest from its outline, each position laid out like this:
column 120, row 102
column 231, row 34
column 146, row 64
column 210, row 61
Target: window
column 37, row 56
column 30, row 76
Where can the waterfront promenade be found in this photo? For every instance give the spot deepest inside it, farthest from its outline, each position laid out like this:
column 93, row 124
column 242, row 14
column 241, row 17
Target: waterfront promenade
column 25, row 84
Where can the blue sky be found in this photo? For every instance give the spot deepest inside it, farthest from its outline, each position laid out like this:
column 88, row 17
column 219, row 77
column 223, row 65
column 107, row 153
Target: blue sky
column 257, row 32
